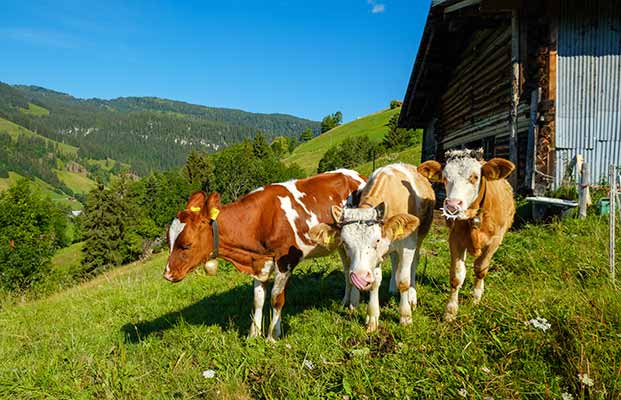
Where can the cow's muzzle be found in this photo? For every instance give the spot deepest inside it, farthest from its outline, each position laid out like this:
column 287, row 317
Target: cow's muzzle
column 362, row 280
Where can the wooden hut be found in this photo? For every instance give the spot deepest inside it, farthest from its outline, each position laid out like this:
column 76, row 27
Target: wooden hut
column 534, row 81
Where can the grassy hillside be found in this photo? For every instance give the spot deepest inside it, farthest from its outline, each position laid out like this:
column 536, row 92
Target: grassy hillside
column 45, row 189
column 15, row 130
column 308, row 154
column 76, row 182
column 130, row 334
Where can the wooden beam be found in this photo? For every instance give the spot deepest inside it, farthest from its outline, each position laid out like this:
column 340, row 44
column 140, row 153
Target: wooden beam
column 531, row 146
column 515, row 92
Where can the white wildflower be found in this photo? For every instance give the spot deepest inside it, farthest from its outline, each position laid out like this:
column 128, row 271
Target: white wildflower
column 585, row 379
column 287, row 345
column 463, row 392
column 567, row 396
column 488, row 398
column 540, row 323
column 485, row 369
column 209, row 373
column 308, row 364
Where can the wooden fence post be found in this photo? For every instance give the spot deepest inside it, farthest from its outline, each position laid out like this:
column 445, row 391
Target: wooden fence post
column 584, row 191
column 611, row 218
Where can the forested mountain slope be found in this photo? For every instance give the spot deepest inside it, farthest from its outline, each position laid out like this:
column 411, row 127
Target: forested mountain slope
column 147, row 133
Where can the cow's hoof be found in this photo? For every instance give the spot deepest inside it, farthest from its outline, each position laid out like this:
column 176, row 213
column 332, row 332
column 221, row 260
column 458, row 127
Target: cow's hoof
column 450, row 316
column 405, row 320
column 372, row 323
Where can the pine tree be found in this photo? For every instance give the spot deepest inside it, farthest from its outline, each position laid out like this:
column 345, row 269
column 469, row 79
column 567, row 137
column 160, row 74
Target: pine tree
column 260, row 148
column 306, row 135
column 103, row 230
column 396, row 137
column 198, row 170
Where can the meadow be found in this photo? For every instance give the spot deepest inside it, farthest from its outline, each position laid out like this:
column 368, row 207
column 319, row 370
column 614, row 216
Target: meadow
column 130, row 334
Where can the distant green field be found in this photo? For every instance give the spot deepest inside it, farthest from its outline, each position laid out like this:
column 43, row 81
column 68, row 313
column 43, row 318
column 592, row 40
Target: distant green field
column 35, row 110
column 15, row 130
column 76, row 182
column 308, row 154
column 45, row 189
column 129, row 334
column 68, row 257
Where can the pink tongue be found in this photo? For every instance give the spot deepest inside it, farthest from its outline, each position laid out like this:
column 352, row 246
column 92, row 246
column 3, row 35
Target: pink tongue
column 359, row 283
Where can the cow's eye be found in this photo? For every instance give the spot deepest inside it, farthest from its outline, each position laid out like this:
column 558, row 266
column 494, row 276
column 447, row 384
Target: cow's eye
column 185, row 246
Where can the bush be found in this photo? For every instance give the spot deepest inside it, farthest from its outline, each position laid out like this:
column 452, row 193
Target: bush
column 348, row 154
column 395, row 104
column 29, row 229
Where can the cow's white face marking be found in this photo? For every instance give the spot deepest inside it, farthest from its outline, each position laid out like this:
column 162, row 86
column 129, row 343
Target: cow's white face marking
column 363, row 243
column 462, row 177
column 173, row 233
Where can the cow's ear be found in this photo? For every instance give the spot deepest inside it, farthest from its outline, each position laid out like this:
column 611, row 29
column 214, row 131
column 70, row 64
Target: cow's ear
column 497, row 168
column 337, row 213
column 324, row 235
column 196, row 202
column 431, row 170
column 213, row 206
column 400, row 226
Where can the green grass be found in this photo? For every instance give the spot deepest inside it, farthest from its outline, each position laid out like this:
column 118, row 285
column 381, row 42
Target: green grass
column 130, row 334
column 68, row 257
column 76, row 182
column 15, row 130
column 45, row 189
column 307, row 155
column 35, row 110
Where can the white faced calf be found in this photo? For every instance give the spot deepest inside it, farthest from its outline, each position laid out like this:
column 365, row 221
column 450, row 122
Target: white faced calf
column 395, row 202
column 479, row 207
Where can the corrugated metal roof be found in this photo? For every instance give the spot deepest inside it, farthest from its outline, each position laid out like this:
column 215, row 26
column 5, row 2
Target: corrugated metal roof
column 589, row 87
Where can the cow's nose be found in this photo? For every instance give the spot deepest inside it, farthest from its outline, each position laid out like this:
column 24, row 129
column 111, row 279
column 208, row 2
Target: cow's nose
column 361, row 279
column 168, row 276
column 453, row 205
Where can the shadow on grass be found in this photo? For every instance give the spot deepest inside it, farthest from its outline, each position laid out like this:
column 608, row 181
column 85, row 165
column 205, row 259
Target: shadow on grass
column 231, row 310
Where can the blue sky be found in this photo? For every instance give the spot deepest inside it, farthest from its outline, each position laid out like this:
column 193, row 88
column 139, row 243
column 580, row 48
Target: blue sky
column 306, row 58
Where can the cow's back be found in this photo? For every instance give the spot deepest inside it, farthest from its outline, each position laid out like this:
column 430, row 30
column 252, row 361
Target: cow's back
column 403, row 190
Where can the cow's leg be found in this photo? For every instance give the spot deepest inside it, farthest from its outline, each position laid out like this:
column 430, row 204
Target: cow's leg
column 256, row 329
column 412, row 296
column 373, row 309
column 481, row 265
column 351, row 298
column 407, row 254
column 394, row 261
column 458, row 274
column 278, row 301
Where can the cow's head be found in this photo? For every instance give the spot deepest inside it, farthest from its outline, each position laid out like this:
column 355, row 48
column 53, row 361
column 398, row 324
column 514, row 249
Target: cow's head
column 462, row 176
column 190, row 236
column 365, row 236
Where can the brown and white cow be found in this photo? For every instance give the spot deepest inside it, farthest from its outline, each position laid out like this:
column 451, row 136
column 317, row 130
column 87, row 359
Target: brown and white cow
column 262, row 234
column 394, row 215
column 479, row 209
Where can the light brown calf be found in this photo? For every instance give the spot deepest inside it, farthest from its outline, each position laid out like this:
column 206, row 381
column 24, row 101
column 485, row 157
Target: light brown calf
column 479, row 209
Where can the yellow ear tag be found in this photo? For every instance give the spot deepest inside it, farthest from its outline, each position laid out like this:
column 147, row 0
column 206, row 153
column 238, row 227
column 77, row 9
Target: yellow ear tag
column 331, row 239
column 195, row 209
column 213, row 213
column 399, row 231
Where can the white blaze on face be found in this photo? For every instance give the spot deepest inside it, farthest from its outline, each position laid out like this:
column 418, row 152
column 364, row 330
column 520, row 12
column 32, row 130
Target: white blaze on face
column 175, row 230
column 363, row 243
column 463, row 178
